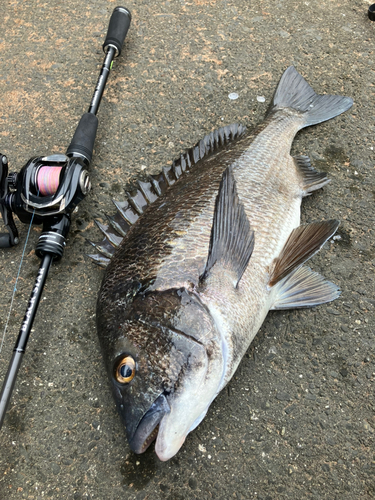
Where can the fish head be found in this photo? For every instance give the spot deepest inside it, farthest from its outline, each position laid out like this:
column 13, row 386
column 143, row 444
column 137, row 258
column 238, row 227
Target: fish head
column 166, row 366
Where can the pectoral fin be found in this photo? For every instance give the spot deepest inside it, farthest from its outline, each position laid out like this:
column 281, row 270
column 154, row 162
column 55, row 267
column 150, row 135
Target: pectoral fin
column 304, row 288
column 303, row 242
column 232, row 239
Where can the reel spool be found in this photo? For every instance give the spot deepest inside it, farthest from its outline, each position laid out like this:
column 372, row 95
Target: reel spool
column 48, row 180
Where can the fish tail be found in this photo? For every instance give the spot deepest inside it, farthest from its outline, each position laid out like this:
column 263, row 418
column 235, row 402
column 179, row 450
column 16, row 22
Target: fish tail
column 294, row 92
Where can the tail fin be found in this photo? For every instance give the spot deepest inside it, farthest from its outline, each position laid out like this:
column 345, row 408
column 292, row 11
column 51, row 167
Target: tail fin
column 294, row 92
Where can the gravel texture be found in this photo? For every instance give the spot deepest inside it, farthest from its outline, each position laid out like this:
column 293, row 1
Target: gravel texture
column 297, row 421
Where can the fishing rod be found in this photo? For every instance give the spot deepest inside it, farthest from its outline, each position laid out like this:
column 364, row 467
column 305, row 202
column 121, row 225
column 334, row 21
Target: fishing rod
column 46, row 191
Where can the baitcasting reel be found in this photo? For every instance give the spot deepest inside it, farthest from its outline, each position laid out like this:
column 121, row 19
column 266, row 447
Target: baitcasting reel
column 47, row 190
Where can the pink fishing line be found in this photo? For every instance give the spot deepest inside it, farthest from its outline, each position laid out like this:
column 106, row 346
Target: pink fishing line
column 48, row 180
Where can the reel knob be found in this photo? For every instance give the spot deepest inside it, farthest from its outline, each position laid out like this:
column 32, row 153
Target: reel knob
column 12, row 180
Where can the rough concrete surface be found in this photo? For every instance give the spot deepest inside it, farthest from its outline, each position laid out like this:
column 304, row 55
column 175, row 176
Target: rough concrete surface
column 297, row 421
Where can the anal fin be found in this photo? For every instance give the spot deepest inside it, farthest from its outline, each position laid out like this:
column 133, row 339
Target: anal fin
column 304, row 288
column 232, row 239
column 311, row 178
column 303, row 242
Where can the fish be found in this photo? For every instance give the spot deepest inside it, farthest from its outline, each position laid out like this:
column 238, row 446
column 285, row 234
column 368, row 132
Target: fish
column 197, row 256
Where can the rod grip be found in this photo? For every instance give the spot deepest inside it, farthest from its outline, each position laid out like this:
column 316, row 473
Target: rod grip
column 117, row 29
column 84, row 137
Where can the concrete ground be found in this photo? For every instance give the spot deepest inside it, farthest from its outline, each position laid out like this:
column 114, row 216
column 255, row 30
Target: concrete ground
column 297, row 421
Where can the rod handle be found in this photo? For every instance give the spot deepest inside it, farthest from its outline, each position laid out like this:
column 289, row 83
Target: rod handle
column 117, row 29
column 84, row 137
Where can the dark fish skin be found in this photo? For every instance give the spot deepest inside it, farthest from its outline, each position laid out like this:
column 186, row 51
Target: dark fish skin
column 180, row 304
column 140, row 265
column 143, row 255
column 154, row 337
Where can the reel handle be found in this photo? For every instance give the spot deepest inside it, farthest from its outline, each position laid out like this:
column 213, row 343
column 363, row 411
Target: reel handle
column 10, row 238
column 117, row 29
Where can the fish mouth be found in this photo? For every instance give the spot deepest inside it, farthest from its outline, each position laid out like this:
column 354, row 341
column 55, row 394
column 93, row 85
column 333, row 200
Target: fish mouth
column 148, row 427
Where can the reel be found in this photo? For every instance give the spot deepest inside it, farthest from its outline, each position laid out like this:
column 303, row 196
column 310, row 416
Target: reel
column 46, row 190
column 48, row 186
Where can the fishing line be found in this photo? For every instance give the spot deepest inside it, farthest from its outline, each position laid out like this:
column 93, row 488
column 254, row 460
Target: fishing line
column 15, row 285
column 48, row 179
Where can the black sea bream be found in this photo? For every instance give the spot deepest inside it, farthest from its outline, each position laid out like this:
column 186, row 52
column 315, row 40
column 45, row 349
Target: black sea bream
column 208, row 248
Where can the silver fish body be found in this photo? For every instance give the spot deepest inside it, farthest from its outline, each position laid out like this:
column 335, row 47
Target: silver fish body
column 196, row 273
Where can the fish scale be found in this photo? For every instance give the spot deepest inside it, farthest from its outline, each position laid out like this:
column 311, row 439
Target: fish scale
column 198, row 268
column 270, row 188
column 265, row 184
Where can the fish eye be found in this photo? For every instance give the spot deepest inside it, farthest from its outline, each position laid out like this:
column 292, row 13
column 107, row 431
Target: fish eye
column 125, row 370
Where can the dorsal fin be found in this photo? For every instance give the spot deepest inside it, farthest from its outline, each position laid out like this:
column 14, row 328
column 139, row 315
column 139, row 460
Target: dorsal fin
column 209, row 144
column 130, row 210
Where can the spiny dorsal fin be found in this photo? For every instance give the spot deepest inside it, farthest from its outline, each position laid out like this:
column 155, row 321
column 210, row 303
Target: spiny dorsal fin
column 303, row 242
column 311, row 178
column 232, row 239
column 118, row 225
column 110, row 233
column 99, row 259
column 304, row 288
column 209, row 144
column 126, row 211
column 113, row 232
column 148, row 191
column 104, row 248
column 130, row 210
